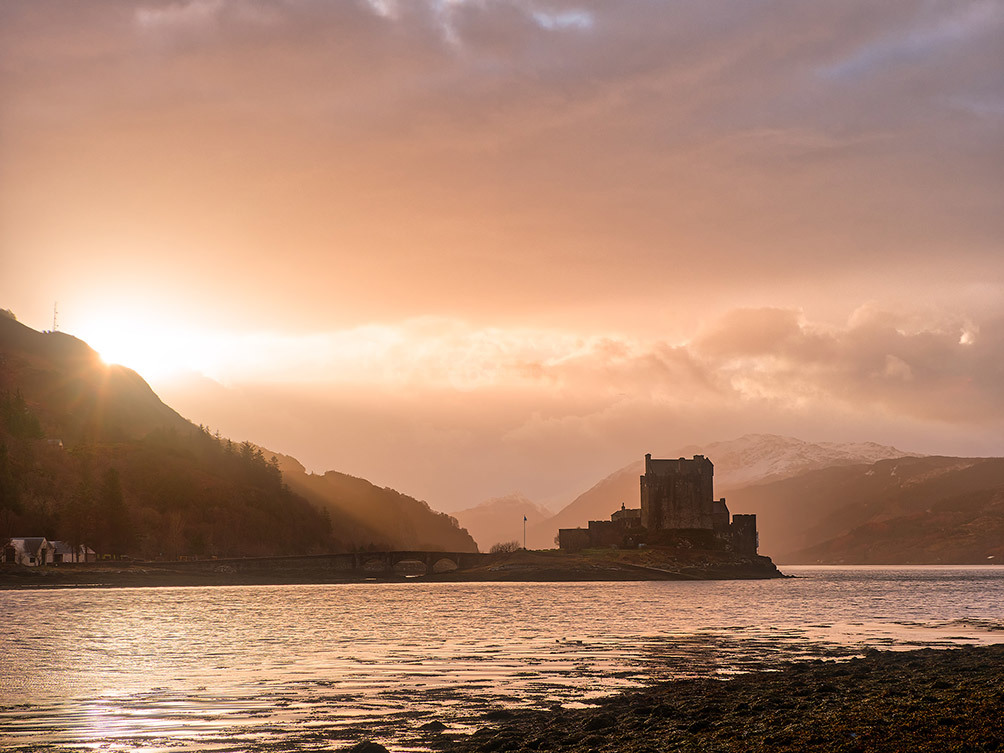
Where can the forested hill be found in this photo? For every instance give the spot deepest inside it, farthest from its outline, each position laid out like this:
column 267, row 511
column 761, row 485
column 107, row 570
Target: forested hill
column 90, row 454
column 403, row 522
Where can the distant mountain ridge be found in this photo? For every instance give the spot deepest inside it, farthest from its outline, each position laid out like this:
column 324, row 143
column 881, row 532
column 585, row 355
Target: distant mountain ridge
column 500, row 519
column 926, row 510
column 749, row 459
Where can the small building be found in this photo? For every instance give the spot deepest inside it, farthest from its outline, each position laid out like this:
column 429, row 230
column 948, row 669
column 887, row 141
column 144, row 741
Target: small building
column 620, row 530
column 627, row 518
column 573, row 539
column 31, row 551
column 63, row 552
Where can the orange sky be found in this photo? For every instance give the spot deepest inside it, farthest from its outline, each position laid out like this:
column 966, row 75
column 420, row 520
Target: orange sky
column 466, row 248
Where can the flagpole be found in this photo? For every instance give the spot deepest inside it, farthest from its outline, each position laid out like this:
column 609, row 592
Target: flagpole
column 524, row 532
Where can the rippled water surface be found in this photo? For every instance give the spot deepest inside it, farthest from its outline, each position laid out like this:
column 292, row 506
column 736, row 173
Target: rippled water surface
column 306, row 667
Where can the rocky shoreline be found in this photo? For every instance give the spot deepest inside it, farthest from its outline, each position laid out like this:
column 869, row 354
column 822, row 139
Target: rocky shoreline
column 884, row 701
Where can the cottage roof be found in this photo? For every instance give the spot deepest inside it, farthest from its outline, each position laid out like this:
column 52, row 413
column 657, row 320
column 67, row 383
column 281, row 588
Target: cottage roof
column 30, row 544
column 61, row 547
column 64, row 547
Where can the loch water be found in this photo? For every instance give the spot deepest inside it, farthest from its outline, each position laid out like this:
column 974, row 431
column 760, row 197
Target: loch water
column 313, row 667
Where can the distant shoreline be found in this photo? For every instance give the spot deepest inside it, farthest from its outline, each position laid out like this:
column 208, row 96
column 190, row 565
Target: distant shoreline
column 173, row 579
column 544, row 567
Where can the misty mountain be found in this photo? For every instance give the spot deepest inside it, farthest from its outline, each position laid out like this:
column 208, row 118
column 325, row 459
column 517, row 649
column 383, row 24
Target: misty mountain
column 750, row 459
column 908, row 510
column 385, row 517
column 89, row 453
column 501, row 519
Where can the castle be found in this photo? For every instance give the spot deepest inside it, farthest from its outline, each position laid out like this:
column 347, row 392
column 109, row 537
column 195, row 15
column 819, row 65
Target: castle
column 677, row 498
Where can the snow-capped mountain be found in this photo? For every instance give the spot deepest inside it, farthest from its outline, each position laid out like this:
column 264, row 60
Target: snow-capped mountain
column 757, row 458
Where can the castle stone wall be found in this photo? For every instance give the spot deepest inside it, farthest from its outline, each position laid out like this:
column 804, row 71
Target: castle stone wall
column 677, row 493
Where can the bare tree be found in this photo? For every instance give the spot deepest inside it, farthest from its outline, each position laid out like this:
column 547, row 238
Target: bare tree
column 505, row 547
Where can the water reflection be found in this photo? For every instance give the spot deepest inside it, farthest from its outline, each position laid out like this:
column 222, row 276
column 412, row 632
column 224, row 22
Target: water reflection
column 260, row 668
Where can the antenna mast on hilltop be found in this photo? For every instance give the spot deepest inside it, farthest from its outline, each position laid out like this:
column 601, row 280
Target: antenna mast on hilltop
column 55, row 316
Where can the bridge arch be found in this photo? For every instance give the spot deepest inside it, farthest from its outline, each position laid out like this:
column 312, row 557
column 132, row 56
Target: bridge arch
column 393, row 561
column 374, row 563
column 444, row 564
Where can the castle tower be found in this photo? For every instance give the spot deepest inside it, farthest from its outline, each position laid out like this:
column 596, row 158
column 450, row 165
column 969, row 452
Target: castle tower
column 677, row 493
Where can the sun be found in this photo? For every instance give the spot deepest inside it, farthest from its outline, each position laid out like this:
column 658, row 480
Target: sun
column 156, row 352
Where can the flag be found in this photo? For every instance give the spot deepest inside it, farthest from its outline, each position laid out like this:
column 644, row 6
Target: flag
column 524, row 518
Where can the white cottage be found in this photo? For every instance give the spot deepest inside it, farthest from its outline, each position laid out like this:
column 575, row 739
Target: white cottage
column 62, row 551
column 31, row 551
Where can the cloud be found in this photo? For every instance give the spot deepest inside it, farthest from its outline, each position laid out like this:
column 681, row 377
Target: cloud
column 942, row 368
column 194, row 13
column 553, row 153
column 569, row 19
column 751, row 332
column 920, row 42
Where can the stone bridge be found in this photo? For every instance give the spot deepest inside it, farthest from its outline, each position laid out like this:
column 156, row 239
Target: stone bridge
column 348, row 562
column 385, row 561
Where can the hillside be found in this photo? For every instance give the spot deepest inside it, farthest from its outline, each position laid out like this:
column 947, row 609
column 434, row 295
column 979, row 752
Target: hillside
column 750, row 459
column 383, row 517
column 88, row 453
column 501, row 519
column 963, row 530
column 76, row 397
column 910, row 510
